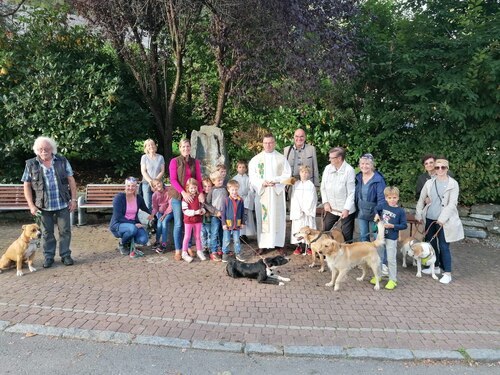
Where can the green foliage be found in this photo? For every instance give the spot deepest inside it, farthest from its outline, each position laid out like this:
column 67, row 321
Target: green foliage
column 63, row 82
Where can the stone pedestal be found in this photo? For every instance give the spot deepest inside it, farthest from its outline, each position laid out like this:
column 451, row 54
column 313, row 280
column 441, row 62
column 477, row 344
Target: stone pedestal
column 207, row 145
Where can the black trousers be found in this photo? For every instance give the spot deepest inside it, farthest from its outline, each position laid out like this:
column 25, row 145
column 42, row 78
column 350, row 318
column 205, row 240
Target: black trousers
column 346, row 225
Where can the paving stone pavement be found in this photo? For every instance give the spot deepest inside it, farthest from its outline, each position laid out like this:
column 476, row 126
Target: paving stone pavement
column 155, row 300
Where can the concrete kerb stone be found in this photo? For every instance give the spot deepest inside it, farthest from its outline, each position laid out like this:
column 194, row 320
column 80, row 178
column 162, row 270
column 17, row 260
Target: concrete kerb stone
column 443, row 355
column 162, row 341
column 315, row 351
column 220, row 346
column 4, row 324
column 484, row 355
column 256, row 348
column 381, row 353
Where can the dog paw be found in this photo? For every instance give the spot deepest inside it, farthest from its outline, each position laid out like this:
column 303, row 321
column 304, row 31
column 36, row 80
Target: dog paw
column 418, row 275
column 285, row 279
column 19, row 273
column 376, row 287
column 361, row 278
column 311, row 265
column 404, row 265
column 281, row 283
column 434, row 277
column 321, row 270
column 32, row 269
column 329, row 284
column 336, row 287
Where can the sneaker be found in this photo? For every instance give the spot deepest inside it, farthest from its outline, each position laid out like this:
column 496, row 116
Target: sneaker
column 133, row 254
column 200, row 255
column 391, row 285
column 244, row 239
column 67, row 260
column 241, row 258
column 445, row 279
column 385, row 270
column 298, row 250
column 225, row 258
column 124, row 249
column 309, row 251
column 215, row 257
column 188, row 258
column 139, row 252
column 219, row 252
column 427, row 271
column 158, row 249
column 373, row 280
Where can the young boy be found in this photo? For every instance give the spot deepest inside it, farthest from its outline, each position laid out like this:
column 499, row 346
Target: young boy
column 394, row 219
column 233, row 220
column 222, row 169
column 247, row 194
column 303, row 203
column 214, row 204
column 205, row 228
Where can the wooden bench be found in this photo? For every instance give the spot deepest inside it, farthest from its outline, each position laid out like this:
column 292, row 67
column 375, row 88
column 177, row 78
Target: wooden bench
column 97, row 196
column 12, row 199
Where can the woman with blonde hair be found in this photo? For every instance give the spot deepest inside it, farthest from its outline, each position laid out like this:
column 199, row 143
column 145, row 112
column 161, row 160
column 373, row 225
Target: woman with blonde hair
column 152, row 167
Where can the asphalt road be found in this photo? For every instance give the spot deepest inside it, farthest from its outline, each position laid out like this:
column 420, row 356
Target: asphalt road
column 20, row 354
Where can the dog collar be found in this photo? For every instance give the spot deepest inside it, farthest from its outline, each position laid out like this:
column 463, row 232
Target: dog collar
column 317, row 238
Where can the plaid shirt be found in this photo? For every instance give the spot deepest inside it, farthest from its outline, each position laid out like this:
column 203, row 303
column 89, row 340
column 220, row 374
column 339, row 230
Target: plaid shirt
column 54, row 202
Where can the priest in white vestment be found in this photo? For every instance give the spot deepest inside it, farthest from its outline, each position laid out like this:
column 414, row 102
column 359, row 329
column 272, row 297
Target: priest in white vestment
column 267, row 172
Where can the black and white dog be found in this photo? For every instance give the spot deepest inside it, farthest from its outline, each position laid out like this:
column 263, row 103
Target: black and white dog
column 261, row 270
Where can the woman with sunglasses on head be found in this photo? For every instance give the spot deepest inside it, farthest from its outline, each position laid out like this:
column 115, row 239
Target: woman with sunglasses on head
column 125, row 223
column 437, row 205
column 369, row 195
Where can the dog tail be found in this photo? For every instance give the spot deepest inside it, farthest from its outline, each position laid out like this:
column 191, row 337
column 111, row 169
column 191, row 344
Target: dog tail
column 380, row 234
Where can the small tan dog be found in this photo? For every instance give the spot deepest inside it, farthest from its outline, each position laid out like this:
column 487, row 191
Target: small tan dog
column 22, row 250
column 343, row 257
column 421, row 252
column 313, row 238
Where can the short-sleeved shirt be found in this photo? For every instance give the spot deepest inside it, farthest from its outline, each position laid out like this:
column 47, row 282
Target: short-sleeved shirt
column 153, row 166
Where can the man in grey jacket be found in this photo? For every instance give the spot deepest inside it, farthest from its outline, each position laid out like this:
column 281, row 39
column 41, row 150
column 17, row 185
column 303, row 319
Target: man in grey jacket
column 300, row 154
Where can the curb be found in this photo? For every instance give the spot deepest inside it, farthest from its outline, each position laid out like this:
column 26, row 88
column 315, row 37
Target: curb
column 329, row 352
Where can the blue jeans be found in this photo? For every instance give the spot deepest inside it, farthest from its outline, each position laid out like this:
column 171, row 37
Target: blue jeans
column 215, row 232
column 364, row 229
column 227, row 240
column 205, row 235
column 178, row 223
column 162, row 226
column 147, row 194
column 128, row 231
column 49, row 218
column 442, row 248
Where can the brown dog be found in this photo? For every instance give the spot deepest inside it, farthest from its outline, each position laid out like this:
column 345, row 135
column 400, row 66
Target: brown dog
column 421, row 252
column 343, row 257
column 312, row 238
column 22, row 250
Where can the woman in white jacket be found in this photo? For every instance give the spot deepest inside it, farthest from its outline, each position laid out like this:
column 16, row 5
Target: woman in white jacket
column 441, row 214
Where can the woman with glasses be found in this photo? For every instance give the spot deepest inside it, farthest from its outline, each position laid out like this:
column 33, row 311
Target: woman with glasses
column 369, row 195
column 125, row 223
column 442, row 222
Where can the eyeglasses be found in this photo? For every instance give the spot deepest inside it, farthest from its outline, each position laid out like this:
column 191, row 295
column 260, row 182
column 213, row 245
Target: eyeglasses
column 438, row 167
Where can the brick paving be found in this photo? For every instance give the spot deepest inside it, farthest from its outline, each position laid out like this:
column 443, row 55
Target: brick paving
column 156, row 296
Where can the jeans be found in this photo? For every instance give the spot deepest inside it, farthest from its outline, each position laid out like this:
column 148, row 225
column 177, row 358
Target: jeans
column 128, row 231
column 205, row 235
column 147, row 194
column 62, row 218
column 442, row 248
column 215, row 232
column 188, row 230
column 235, row 233
column 162, row 226
column 346, row 225
column 364, row 229
column 178, row 223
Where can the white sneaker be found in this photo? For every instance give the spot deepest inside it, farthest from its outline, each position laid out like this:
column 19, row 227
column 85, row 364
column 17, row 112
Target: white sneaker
column 427, row 271
column 445, row 279
column 200, row 255
column 187, row 257
column 385, row 270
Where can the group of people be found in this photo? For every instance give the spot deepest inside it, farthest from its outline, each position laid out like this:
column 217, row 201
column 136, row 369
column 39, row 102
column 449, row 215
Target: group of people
column 213, row 211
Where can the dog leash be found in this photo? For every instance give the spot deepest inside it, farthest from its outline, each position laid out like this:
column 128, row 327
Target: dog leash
column 255, row 251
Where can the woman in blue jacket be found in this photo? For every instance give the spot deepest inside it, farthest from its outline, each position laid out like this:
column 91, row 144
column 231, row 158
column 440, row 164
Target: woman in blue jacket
column 369, row 195
column 125, row 223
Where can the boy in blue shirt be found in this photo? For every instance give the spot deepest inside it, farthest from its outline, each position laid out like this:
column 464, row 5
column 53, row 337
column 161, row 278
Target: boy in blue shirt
column 394, row 218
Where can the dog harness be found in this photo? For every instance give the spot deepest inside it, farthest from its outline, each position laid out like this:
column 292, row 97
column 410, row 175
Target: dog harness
column 426, row 257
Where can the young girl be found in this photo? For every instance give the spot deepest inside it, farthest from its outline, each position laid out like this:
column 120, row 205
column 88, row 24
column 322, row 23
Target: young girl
column 193, row 218
column 246, row 192
column 162, row 209
column 303, row 205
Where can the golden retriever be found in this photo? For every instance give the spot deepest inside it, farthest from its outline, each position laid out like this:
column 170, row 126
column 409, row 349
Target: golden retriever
column 313, row 238
column 343, row 257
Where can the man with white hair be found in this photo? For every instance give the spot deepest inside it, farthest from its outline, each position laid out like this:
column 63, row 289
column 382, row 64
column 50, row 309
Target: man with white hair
column 50, row 188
